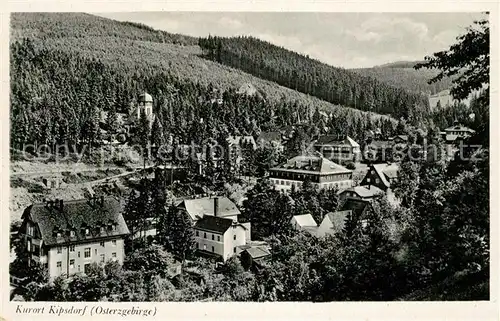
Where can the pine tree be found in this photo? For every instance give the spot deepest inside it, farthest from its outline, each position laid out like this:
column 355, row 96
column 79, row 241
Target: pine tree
column 179, row 233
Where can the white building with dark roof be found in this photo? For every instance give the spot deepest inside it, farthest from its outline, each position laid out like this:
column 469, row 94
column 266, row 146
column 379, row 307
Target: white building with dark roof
column 68, row 236
column 338, row 148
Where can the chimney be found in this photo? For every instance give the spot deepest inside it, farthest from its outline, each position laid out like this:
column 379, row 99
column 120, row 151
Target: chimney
column 216, row 206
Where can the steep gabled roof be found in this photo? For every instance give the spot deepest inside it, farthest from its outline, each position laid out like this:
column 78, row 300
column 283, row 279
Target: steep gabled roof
column 76, row 216
column 305, row 220
column 386, row 172
column 213, row 224
column 199, row 207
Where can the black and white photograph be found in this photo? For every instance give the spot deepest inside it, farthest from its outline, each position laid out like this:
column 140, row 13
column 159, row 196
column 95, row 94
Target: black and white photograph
column 170, row 156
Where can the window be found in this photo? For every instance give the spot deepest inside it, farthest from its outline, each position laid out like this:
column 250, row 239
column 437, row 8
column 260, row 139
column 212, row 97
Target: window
column 204, row 235
column 102, row 243
column 78, row 268
column 87, row 231
column 197, row 245
column 86, row 268
column 204, row 247
column 86, row 253
column 58, row 234
column 59, row 250
column 72, row 233
column 72, row 264
column 30, row 230
column 377, row 181
column 102, row 229
column 213, row 237
column 59, row 266
column 95, row 251
column 113, row 242
column 78, row 253
column 113, row 255
column 213, row 249
column 218, row 238
column 234, row 237
column 103, row 257
column 197, row 233
column 72, row 248
column 234, row 249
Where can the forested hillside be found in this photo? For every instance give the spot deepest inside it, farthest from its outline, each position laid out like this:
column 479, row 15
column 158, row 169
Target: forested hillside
column 66, row 68
column 310, row 76
column 402, row 74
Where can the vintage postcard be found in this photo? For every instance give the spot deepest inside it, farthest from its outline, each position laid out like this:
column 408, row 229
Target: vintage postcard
column 325, row 162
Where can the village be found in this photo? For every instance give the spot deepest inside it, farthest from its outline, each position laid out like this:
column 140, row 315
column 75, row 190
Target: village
column 214, row 162
column 68, row 236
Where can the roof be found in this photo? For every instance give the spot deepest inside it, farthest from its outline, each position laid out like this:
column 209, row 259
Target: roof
column 257, row 252
column 305, row 220
column 213, row 224
column 270, row 136
column 386, row 171
column 238, row 140
column 77, row 215
column 311, row 164
column 356, row 205
column 403, row 137
column 145, row 97
column 336, row 140
column 380, row 144
column 459, row 128
column 364, row 191
column 200, row 207
column 338, row 219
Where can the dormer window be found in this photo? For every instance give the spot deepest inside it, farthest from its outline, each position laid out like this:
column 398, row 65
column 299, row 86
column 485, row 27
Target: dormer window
column 58, row 234
column 72, row 233
column 87, row 231
column 102, row 229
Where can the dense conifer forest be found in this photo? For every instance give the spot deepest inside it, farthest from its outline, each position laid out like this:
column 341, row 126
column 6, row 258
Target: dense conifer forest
column 306, row 75
column 67, row 68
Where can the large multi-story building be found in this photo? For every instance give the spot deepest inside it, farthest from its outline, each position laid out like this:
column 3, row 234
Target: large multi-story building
column 321, row 172
column 68, row 236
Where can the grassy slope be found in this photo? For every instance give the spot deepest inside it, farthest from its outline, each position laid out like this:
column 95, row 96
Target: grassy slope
column 117, row 43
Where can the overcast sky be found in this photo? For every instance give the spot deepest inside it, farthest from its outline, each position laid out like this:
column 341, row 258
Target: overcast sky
column 348, row 40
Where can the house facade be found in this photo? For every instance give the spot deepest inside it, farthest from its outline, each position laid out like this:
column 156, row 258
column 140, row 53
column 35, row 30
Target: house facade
column 215, row 223
column 457, row 131
column 381, row 176
column 219, row 236
column 338, row 148
column 321, row 172
column 67, row 237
